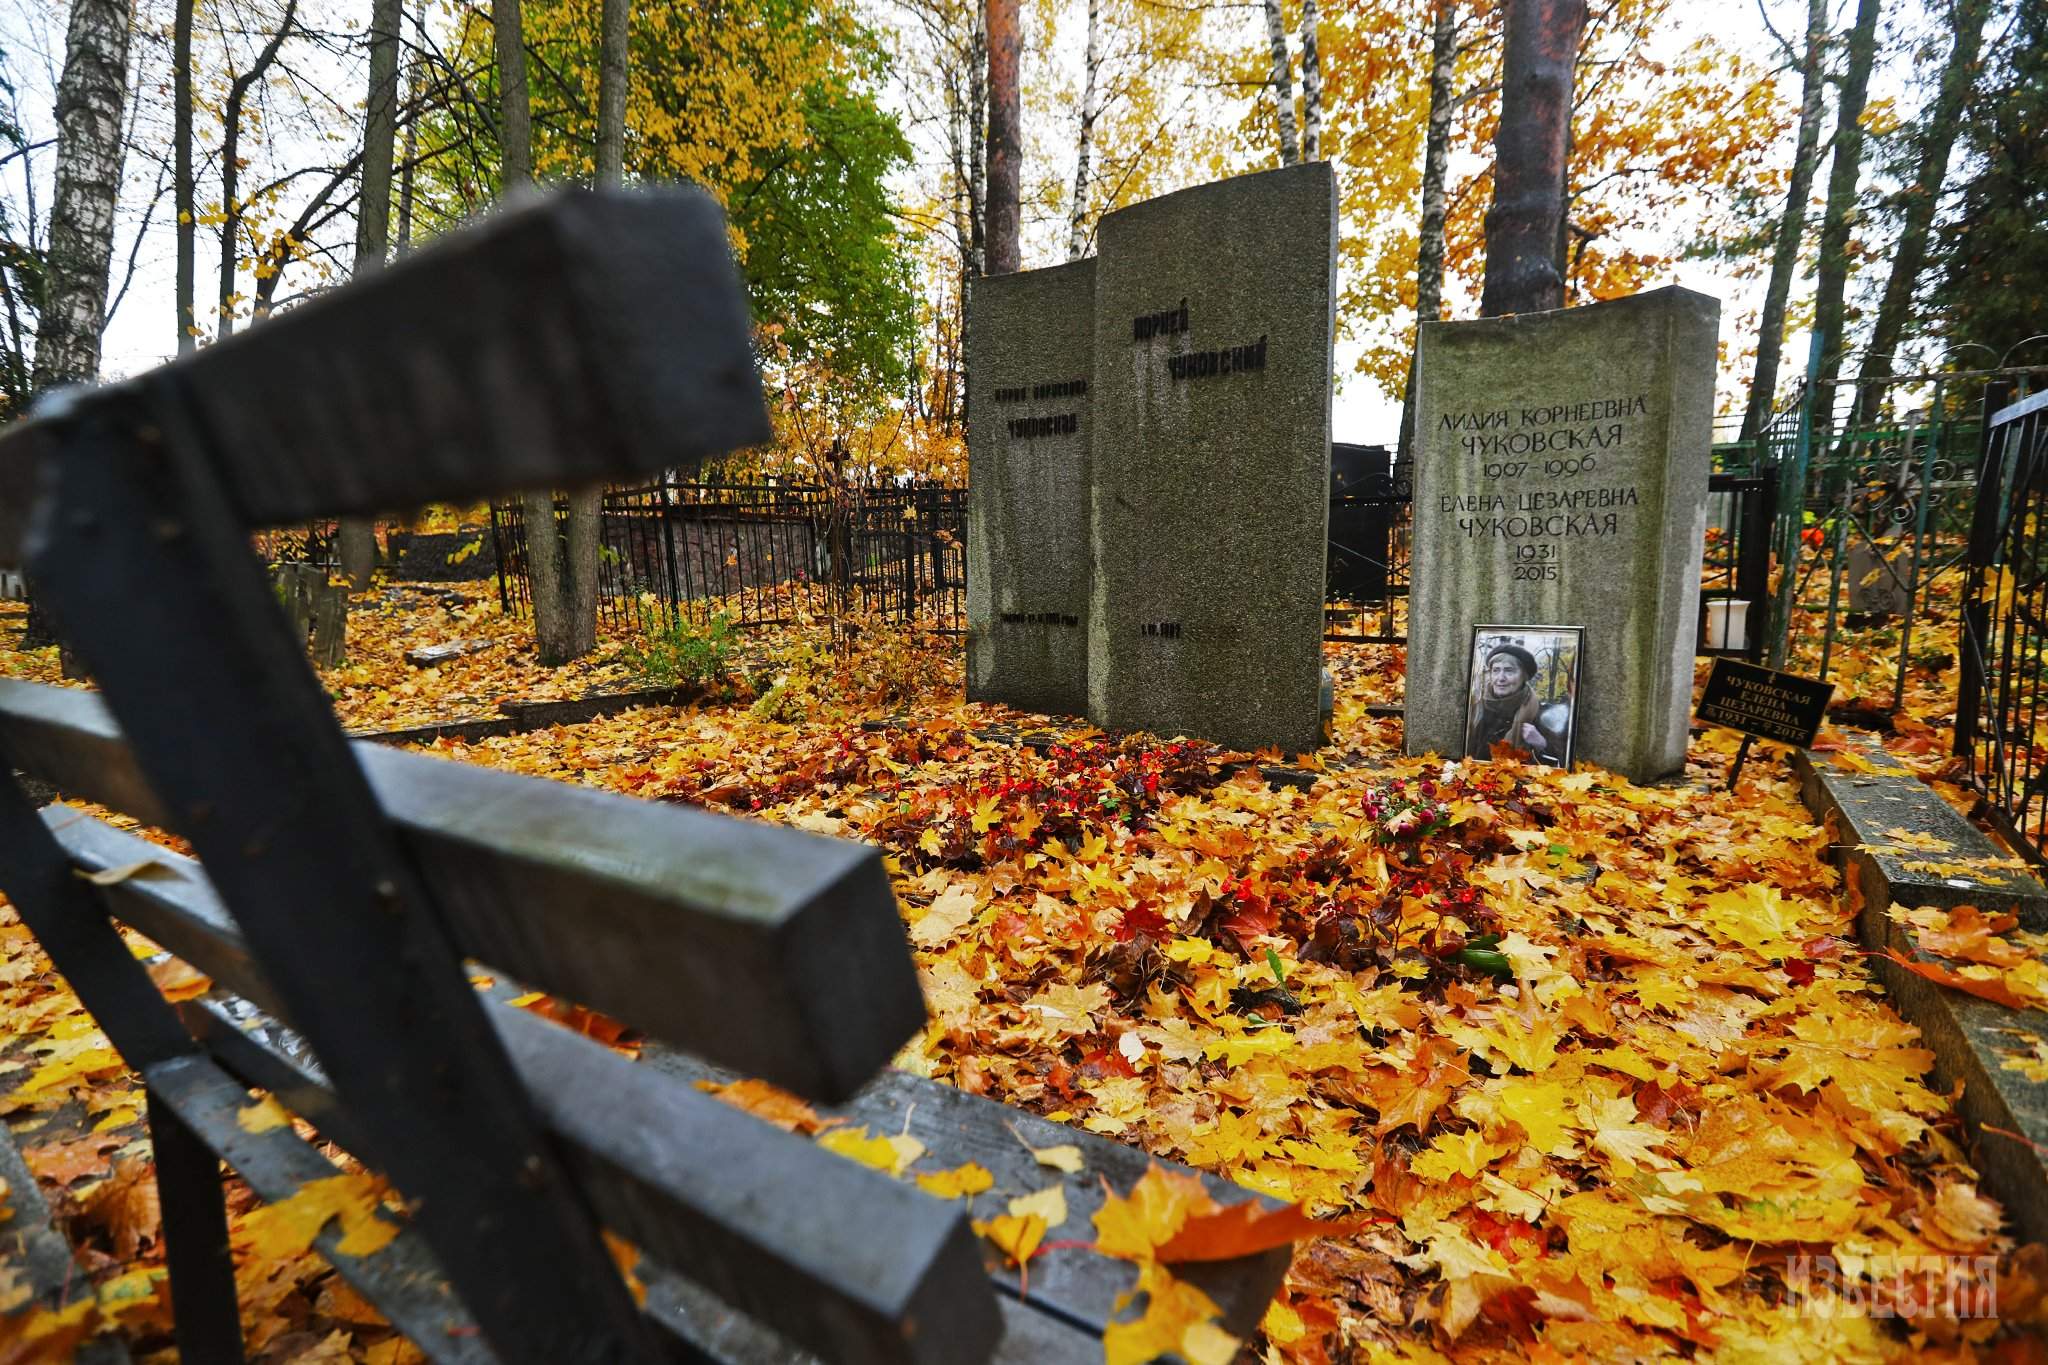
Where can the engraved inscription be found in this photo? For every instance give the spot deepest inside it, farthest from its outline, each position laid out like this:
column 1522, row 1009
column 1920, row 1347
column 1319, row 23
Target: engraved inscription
column 1223, row 360
column 1163, row 323
column 1058, row 424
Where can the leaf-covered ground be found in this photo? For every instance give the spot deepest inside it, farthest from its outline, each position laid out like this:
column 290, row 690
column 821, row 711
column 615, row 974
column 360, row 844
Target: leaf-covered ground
column 1582, row 1066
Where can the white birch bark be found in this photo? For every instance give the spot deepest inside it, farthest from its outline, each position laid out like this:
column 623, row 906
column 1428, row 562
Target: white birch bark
column 91, row 95
column 1077, row 233
column 1311, row 85
column 1283, row 83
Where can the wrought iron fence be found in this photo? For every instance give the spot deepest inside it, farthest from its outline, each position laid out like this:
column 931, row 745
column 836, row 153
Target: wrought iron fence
column 2002, row 698
column 1877, row 483
column 1369, row 561
column 763, row 554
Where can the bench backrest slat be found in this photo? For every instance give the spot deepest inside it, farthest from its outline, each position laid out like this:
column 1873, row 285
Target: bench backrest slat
column 769, row 950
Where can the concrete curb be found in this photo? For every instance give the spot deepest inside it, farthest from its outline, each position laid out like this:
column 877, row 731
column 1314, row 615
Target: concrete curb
column 522, row 716
column 1969, row 1036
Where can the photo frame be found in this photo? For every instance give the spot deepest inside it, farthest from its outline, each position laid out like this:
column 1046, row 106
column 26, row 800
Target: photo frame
column 1522, row 690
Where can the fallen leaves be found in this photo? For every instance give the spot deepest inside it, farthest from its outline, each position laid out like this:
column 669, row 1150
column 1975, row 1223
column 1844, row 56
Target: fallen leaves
column 1539, row 1066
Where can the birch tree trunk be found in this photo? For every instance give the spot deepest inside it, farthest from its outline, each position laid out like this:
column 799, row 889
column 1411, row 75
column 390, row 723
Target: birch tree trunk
column 1005, row 138
column 585, row 530
column 544, row 576
column 1770, row 342
column 1311, row 86
column 1831, row 277
column 357, row 538
column 1429, row 248
column 91, row 94
column 1922, row 198
column 410, row 155
column 1525, row 220
column 184, row 191
column 1283, row 83
column 1077, row 234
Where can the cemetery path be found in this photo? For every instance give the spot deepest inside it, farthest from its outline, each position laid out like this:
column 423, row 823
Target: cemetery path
column 1586, row 1069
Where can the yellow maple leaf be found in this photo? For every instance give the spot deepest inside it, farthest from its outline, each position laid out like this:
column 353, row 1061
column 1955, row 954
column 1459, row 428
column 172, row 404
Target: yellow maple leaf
column 1049, row 1203
column 1617, row 1135
column 891, row 1154
column 944, row 918
column 1134, row 1226
column 1179, row 1320
column 1455, row 1154
column 1018, row 1237
column 262, row 1116
column 1471, row 1273
column 281, row 1231
column 985, row 815
column 969, row 1179
column 1758, row 917
column 1541, row 1108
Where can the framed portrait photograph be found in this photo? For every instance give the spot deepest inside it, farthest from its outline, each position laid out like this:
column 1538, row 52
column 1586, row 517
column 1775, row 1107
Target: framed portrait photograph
column 1524, row 692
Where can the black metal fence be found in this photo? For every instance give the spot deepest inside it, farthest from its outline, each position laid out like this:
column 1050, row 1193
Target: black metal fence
column 764, row 554
column 2002, row 696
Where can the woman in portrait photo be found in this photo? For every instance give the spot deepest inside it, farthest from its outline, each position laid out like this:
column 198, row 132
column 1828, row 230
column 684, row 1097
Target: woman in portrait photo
column 1506, row 709
column 1522, row 696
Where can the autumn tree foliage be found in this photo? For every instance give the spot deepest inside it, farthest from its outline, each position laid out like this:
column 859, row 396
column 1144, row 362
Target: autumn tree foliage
column 1669, row 153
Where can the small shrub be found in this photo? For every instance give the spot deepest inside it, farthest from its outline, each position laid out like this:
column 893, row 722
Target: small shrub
column 677, row 653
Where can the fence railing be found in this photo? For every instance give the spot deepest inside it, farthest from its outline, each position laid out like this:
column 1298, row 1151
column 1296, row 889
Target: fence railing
column 2002, row 697
column 763, row 554
column 1877, row 485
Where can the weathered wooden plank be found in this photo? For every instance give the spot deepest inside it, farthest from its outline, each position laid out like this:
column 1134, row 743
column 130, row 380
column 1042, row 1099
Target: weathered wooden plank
column 402, row 1280
column 579, row 337
column 767, row 949
column 1076, row 1283
column 842, row 1259
column 839, row 1255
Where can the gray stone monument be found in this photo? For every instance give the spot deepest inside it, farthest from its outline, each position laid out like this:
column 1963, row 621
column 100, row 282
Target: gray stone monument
column 1561, row 479
column 1213, row 322
column 1874, row 588
column 1030, row 358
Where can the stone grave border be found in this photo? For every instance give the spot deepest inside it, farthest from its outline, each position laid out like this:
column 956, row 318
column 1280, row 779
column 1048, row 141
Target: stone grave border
column 519, row 717
column 1966, row 1033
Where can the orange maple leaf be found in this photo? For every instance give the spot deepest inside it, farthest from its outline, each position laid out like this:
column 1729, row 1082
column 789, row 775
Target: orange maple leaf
column 1988, row 989
column 1244, row 1230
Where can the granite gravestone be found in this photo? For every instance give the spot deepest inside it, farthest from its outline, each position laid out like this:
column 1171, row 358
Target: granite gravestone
column 1877, row 580
column 1213, row 322
column 1030, row 358
column 1561, row 479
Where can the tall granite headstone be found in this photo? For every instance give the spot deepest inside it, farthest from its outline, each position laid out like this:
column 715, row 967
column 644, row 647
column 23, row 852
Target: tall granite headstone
column 1213, row 322
column 1561, row 479
column 1030, row 362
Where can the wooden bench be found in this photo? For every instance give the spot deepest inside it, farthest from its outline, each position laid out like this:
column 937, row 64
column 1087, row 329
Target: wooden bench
column 342, row 891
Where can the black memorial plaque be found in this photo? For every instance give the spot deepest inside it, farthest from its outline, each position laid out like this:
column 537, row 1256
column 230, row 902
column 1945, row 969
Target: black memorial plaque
column 1764, row 702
